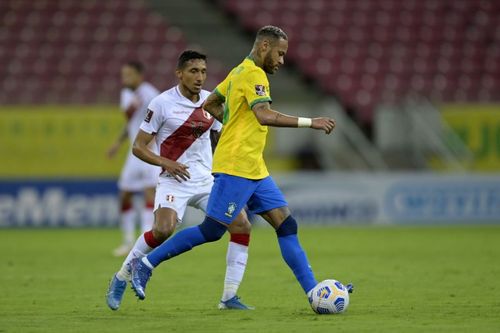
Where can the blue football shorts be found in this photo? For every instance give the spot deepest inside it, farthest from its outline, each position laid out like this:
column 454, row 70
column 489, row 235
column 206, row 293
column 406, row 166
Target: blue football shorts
column 230, row 194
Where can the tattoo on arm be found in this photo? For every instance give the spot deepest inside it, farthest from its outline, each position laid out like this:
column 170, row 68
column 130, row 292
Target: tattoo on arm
column 214, row 106
column 268, row 117
column 276, row 116
column 218, row 114
column 262, row 107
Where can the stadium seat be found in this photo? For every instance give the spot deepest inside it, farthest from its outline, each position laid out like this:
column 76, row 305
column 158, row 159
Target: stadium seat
column 366, row 52
column 70, row 51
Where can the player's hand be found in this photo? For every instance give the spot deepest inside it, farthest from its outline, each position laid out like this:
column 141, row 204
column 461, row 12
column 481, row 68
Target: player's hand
column 113, row 150
column 177, row 170
column 325, row 124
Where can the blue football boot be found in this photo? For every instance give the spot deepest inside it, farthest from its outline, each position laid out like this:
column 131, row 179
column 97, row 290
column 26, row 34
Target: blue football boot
column 140, row 276
column 234, row 303
column 115, row 292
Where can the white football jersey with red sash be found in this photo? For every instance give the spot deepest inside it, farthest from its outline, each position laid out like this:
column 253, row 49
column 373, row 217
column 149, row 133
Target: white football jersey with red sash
column 135, row 105
column 182, row 131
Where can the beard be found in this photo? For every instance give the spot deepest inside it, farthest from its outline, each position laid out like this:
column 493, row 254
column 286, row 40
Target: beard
column 268, row 65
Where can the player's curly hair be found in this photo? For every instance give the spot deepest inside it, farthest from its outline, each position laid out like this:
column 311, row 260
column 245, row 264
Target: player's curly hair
column 271, row 31
column 187, row 55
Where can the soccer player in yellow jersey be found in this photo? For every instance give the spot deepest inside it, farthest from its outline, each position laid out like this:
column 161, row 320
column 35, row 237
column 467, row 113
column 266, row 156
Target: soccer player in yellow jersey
column 242, row 102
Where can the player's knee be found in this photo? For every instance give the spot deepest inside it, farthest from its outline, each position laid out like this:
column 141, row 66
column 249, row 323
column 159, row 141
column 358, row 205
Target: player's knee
column 126, row 198
column 212, row 230
column 149, row 203
column 125, row 202
column 240, row 225
column 288, row 227
column 163, row 230
column 245, row 227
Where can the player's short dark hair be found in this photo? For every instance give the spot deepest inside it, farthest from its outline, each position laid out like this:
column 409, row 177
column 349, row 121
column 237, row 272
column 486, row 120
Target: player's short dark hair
column 189, row 55
column 271, row 31
column 137, row 65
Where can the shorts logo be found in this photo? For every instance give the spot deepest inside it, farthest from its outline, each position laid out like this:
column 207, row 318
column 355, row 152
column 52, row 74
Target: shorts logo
column 149, row 115
column 170, row 198
column 260, row 90
column 230, row 209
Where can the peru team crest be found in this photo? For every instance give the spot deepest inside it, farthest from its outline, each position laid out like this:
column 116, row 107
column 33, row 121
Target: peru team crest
column 207, row 115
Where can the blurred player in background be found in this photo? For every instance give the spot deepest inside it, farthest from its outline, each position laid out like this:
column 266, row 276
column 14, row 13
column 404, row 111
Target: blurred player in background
column 136, row 176
column 182, row 130
column 242, row 103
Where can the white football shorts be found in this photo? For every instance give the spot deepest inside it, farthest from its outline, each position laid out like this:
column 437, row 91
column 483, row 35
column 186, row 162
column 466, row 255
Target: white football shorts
column 177, row 196
column 138, row 175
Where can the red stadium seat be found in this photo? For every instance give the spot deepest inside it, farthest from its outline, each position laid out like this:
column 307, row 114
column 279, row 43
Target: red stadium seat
column 71, row 51
column 367, row 51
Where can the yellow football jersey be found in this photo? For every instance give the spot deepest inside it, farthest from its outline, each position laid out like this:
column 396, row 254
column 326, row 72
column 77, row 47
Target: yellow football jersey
column 241, row 145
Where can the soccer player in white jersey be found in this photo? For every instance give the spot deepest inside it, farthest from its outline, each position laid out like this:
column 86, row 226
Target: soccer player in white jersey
column 136, row 176
column 182, row 130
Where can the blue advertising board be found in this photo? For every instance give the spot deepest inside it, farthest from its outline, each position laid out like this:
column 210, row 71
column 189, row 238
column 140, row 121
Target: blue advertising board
column 53, row 203
column 330, row 198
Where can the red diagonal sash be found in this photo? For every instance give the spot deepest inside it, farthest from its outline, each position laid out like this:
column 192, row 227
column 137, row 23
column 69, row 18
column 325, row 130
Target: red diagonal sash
column 178, row 142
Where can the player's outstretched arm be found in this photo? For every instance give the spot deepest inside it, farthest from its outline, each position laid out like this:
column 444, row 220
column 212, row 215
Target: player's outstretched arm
column 140, row 149
column 268, row 117
column 214, row 105
column 118, row 143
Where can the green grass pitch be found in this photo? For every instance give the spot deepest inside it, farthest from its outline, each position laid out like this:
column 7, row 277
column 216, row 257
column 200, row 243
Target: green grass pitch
column 407, row 279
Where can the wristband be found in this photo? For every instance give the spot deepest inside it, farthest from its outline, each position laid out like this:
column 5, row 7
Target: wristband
column 304, row 122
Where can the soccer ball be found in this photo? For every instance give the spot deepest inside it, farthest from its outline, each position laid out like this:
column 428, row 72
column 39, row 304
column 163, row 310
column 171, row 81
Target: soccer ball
column 328, row 297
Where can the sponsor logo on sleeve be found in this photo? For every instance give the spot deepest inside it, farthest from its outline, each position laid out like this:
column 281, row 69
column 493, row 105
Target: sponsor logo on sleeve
column 260, row 90
column 149, row 115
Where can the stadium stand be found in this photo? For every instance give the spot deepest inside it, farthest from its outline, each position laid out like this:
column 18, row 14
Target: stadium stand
column 364, row 52
column 367, row 52
column 70, row 51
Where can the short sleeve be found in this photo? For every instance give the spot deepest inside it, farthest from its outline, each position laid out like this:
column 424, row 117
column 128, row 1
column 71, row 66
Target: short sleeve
column 126, row 99
column 221, row 89
column 216, row 126
column 154, row 117
column 256, row 88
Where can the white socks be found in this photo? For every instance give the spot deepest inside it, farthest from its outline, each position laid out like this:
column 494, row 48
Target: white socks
column 236, row 260
column 147, row 263
column 147, row 219
column 139, row 250
column 128, row 226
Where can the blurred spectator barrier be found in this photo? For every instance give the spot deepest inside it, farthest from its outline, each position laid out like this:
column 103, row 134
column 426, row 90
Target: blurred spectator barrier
column 314, row 198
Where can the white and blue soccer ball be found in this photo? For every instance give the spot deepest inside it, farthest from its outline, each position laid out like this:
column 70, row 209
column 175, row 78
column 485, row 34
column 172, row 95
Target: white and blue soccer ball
column 329, row 297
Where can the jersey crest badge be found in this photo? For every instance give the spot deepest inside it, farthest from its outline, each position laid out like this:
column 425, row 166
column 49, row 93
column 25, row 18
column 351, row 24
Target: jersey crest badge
column 260, row 90
column 230, row 209
column 207, row 115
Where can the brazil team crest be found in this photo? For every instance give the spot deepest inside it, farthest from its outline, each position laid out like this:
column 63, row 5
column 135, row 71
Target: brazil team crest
column 230, row 209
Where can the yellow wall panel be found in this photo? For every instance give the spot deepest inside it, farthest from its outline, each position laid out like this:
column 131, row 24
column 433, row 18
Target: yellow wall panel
column 59, row 141
column 479, row 128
